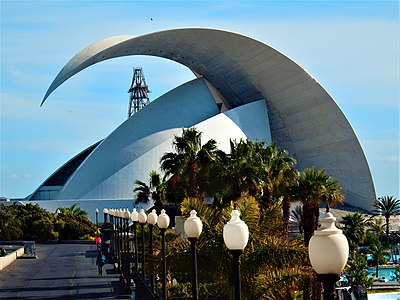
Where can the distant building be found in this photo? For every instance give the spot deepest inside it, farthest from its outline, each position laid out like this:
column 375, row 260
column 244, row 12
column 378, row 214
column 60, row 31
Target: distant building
column 244, row 89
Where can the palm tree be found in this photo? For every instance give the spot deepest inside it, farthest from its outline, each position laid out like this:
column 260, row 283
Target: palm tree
column 378, row 252
column 354, row 226
column 313, row 187
column 238, row 170
column 154, row 191
column 272, row 266
column 74, row 209
column 377, row 227
column 387, row 206
column 182, row 168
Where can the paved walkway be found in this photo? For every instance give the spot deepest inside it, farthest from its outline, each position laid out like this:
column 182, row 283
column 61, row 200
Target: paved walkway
column 66, row 271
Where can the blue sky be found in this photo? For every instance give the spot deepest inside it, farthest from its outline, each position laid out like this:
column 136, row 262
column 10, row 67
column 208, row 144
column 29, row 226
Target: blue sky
column 350, row 47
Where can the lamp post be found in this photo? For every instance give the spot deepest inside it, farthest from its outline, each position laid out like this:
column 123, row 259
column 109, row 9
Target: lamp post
column 328, row 250
column 135, row 219
column 193, row 228
column 97, row 217
column 125, row 254
column 142, row 220
column 58, row 225
column 152, row 220
column 163, row 223
column 105, row 213
column 236, row 236
column 127, row 216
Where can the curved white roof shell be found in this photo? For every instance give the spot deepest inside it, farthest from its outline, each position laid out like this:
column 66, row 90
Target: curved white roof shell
column 303, row 118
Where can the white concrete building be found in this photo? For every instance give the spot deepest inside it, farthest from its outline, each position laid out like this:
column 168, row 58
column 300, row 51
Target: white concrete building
column 245, row 89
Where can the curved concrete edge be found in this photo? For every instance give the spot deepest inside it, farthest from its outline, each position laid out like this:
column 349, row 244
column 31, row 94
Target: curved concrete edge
column 7, row 260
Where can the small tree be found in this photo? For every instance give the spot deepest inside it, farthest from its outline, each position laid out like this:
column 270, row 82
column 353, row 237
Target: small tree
column 356, row 268
column 354, row 226
column 378, row 252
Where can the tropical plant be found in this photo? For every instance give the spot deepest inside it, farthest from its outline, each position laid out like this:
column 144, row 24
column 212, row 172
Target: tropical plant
column 356, row 268
column 297, row 215
column 74, row 209
column 191, row 157
column 377, row 251
column 156, row 191
column 387, row 206
column 377, row 227
column 272, row 267
column 354, row 226
column 313, row 187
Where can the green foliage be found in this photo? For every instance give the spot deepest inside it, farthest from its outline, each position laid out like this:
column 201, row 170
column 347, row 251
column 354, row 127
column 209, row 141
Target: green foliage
column 10, row 225
column 31, row 222
column 356, row 268
column 272, row 267
column 74, row 210
column 371, row 238
column 387, row 206
column 74, row 227
column 313, row 187
column 354, row 226
column 397, row 273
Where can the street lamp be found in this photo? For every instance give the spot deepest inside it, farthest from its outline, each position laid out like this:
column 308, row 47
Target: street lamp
column 97, row 217
column 142, row 220
column 127, row 216
column 152, row 220
column 105, row 212
column 236, row 236
column 163, row 223
column 193, row 227
column 135, row 219
column 328, row 251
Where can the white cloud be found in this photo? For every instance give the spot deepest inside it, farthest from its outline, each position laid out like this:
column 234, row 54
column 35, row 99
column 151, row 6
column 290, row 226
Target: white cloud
column 16, row 176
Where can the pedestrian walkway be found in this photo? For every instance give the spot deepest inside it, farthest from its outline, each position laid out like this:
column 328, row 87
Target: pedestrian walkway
column 60, row 271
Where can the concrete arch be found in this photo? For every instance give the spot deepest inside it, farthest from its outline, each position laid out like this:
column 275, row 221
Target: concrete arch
column 303, row 117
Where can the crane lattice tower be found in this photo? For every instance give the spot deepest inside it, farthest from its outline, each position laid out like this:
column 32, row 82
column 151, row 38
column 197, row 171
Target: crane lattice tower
column 138, row 92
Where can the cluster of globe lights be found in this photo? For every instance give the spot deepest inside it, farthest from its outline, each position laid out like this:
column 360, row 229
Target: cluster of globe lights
column 328, row 241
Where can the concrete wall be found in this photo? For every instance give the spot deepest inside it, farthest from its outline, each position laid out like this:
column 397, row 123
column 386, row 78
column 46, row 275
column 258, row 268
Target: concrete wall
column 10, row 258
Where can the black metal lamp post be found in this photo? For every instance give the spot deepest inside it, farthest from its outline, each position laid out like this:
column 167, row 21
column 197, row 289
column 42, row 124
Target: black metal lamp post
column 193, row 228
column 142, row 220
column 112, row 233
column 105, row 213
column 152, row 220
column 127, row 216
column 163, row 223
column 135, row 219
column 328, row 250
column 97, row 218
column 236, row 236
column 118, row 216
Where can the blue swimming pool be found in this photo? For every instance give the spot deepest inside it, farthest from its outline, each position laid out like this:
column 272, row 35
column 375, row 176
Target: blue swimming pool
column 388, row 273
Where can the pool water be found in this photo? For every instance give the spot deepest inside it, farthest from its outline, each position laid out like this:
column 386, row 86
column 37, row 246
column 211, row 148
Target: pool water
column 388, row 273
column 384, row 296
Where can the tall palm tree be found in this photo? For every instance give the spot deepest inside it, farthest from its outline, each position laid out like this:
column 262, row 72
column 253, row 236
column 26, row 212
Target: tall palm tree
column 154, row 191
column 182, row 167
column 387, row 206
column 239, row 170
column 354, row 226
column 313, row 187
